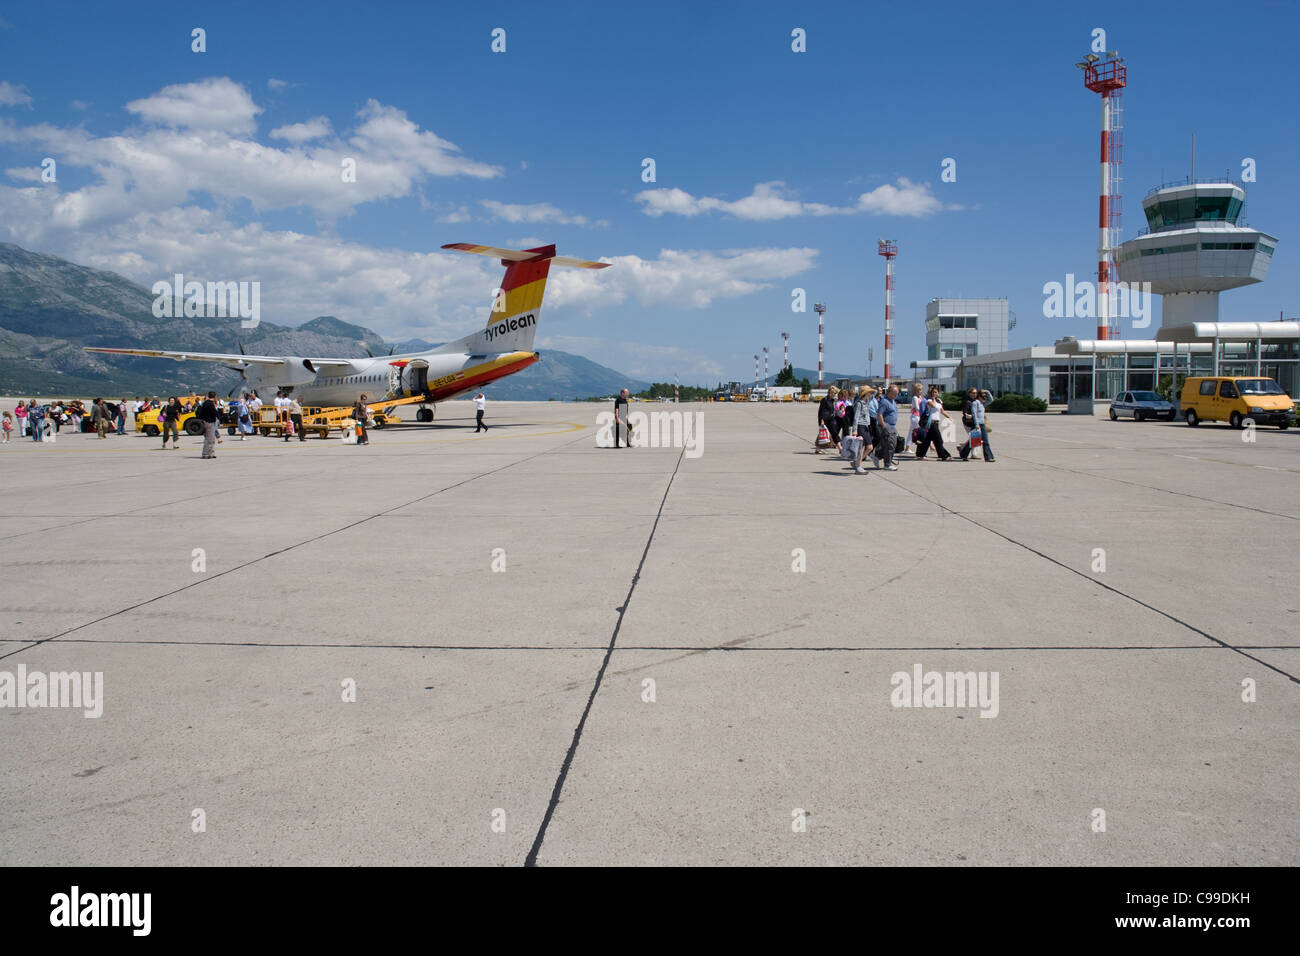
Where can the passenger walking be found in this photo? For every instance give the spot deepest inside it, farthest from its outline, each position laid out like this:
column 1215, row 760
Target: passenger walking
column 873, row 425
column 826, row 417
column 169, row 417
column 620, row 403
column 360, row 412
column 480, row 406
column 887, row 425
column 972, row 417
column 207, row 414
column 862, row 412
column 20, row 413
column 7, row 426
column 243, row 418
column 914, row 423
column 844, row 411
column 933, row 413
column 295, row 416
column 36, row 420
column 121, row 417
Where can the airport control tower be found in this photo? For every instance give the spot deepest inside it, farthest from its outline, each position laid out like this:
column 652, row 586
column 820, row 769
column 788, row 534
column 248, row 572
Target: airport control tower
column 1195, row 249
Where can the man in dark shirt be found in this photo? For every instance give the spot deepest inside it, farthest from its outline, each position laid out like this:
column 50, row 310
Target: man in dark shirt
column 360, row 412
column 207, row 414
column 620, row 418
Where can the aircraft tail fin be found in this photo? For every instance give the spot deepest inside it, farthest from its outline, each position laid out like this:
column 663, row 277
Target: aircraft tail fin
column 512, row 323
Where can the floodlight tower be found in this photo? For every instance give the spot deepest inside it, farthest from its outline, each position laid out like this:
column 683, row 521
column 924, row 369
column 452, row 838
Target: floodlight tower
column 820, row 309
column 764, row 371
column 785, row 340
column 1108, row 77
column 756, row 371
column 889, row 249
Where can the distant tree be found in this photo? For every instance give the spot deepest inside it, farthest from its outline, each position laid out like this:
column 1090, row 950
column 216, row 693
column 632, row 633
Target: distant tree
column 785, row 377
column 805, row 386
column 1165, row 391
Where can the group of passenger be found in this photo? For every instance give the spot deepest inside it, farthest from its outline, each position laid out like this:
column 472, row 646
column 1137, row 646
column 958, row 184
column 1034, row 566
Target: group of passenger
column 868, row 418
column 41, row 422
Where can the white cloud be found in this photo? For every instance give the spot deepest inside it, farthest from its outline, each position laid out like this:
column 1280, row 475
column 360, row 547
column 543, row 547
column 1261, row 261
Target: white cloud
column 12, row 94
column 163, row 166
column 79, row 105
column 275, row 86
column 458, row 215
column 905, row 199
column 532, row 212
column 217, row 103
column 768, row 202
column 314, row 128
column 31, row 174
column 386, row 132
column 691, row 279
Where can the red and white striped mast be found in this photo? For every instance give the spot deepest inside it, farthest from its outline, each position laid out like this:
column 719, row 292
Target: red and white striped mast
column 785, row 340
column 1107, row 77
column 889, row 249
column 820, row 309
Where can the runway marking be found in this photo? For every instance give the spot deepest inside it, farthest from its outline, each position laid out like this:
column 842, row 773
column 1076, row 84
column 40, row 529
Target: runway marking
column 531, row 858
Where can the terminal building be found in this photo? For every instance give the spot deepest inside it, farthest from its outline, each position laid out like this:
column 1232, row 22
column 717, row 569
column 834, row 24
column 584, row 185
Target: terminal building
column 1197, row 246
column 958, row 330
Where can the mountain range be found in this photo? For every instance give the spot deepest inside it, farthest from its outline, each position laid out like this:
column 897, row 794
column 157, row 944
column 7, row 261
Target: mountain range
column 50, row 308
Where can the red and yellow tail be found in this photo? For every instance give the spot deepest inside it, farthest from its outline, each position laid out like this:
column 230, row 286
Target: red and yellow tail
column 512, row 323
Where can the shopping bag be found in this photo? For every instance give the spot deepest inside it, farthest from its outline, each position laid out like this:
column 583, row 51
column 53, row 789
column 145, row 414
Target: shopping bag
column 976, row 440
column 850, row 446
column 823, row 437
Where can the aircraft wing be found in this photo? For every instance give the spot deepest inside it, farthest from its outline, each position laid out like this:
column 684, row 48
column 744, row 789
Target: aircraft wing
column 219, row 357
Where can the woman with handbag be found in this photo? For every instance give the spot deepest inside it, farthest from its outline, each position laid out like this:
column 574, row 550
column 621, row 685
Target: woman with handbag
column 826, row 419
column 914, row 424
column 933, row 413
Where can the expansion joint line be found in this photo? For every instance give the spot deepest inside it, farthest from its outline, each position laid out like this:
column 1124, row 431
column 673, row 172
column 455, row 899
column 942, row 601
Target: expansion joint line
column 285, row 550
column 531, row 859
column 1101, row 584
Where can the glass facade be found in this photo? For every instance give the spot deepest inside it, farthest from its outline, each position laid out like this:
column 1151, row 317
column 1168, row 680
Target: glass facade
column 1000, row 377
column 1058, row 385
column 1172, row 212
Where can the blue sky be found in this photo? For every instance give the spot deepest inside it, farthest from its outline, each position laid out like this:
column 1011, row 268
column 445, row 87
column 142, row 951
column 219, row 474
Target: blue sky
column 224, row 164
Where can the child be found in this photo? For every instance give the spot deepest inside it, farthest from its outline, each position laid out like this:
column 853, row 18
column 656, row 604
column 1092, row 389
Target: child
column 8, row 427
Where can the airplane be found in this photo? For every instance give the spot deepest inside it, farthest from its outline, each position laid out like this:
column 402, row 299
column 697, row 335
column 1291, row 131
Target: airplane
column 504, row 346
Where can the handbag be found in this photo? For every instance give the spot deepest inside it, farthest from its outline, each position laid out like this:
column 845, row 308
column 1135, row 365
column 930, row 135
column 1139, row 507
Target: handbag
column 823, row 437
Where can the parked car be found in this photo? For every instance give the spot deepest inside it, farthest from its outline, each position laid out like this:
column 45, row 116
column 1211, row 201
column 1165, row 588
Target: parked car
column 1140, row 406
column 1235, row 398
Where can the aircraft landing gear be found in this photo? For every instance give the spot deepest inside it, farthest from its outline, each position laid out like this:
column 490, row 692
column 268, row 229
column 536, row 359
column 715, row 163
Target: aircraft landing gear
column 424, row 415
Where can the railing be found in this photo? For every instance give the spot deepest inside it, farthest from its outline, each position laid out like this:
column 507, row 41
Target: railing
column 1199, row 181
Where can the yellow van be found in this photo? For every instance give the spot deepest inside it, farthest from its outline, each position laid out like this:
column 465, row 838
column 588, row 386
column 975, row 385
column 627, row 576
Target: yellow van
column 1234, row 399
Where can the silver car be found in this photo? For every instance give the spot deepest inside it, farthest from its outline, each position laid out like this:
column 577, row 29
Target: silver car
column 1140, row 406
